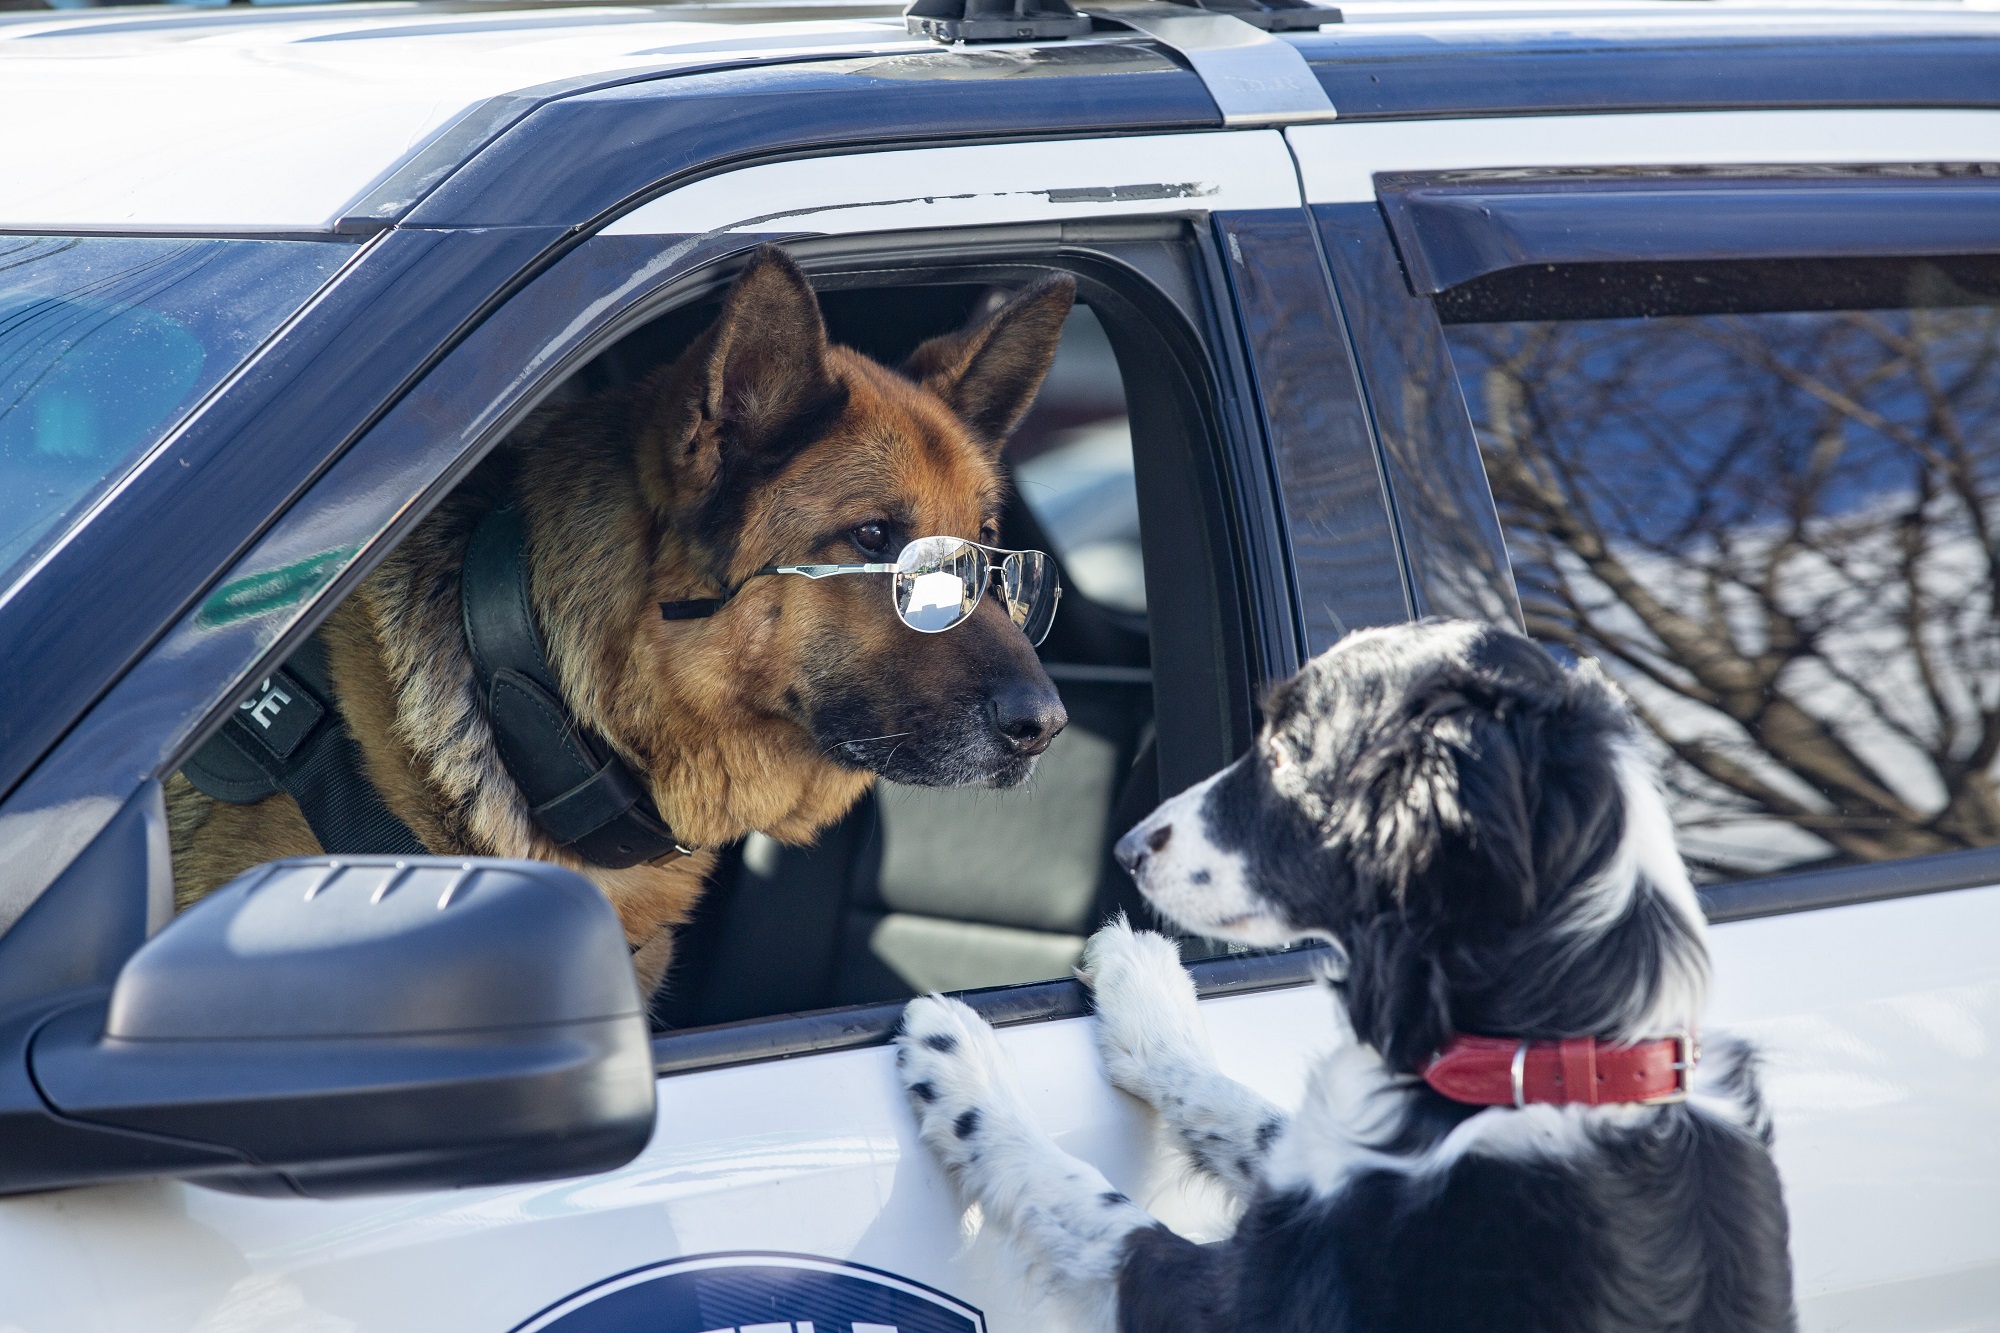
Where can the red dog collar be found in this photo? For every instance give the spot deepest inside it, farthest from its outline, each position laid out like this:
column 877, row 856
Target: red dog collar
column 1505, row 1071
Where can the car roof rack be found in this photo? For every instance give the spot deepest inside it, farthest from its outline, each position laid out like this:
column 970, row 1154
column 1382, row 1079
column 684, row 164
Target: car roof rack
column 1042, row 20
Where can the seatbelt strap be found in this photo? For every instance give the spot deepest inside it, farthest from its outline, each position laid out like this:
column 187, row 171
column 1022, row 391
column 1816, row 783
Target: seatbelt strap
column 579, row 792
column 290, row 733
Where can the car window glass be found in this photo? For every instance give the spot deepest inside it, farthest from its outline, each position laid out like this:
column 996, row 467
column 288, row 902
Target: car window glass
column 1764, row 496
column 106, row 342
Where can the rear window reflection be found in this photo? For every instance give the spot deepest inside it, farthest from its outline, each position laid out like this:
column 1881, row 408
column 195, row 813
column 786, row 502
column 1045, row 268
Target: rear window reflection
column 1780, row 531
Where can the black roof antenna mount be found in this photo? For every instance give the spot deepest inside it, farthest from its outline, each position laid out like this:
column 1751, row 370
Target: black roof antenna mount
column 994, row 20
column 1041, row 20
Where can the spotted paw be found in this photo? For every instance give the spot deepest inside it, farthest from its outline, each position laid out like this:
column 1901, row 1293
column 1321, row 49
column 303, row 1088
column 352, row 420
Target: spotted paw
column 1148, row 1028
column 1059, row 1214
column 959, row 1084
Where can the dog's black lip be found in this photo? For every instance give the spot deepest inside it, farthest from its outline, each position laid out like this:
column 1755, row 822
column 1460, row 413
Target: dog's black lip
column 999, row 772
column 1001, row 776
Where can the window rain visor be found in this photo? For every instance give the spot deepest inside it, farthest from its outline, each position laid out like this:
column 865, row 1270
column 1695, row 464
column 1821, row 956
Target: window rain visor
column 106, row 344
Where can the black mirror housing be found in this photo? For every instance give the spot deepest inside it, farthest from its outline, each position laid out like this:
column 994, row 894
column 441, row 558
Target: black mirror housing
column 331, row 1026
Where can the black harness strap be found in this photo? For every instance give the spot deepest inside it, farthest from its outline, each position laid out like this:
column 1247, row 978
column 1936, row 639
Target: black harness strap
column 698, row 608
column 290, row 737
column 580, row 792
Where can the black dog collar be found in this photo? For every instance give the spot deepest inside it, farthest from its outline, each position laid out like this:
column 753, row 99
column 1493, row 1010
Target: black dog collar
column 579, row 791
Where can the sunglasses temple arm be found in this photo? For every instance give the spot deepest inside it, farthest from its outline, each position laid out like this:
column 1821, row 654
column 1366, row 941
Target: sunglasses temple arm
column 825, row 571
column 700, row 608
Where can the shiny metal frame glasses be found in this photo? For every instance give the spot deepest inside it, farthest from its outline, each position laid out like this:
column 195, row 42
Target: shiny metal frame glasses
column 939, row 582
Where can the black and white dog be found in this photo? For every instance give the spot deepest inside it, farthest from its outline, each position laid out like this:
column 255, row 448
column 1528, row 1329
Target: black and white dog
column 1507, row 1140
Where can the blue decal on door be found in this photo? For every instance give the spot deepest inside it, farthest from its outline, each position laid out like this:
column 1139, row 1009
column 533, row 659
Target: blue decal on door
column 757, row 1293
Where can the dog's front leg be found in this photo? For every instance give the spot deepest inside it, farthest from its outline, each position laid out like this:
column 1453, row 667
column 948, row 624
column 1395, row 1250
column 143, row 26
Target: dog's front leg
column 1151, row 1038
column 1064, row 1218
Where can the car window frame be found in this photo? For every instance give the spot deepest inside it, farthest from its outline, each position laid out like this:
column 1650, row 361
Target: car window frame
column 1266, row 632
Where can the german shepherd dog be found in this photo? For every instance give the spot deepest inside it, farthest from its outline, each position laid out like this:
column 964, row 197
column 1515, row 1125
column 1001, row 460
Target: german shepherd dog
column 760, row 443
column 1508, row 1135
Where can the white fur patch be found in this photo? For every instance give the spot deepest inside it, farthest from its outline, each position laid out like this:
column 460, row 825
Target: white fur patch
column 1203, row 888
column 1646, row 850
column 1154, row 1046
column 1647, row 860
column 1351, row 1107
column 1059, row 1214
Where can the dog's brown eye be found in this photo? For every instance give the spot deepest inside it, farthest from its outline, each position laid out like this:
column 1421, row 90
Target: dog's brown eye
column 872, row 538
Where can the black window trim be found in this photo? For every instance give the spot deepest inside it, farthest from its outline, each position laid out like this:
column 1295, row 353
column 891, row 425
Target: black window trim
column 1256, row 596
column 1453, row 227
column 1846, row 886
column 857, row 1027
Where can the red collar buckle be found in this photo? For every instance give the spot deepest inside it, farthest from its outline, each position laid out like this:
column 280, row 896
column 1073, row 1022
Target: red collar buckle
column 1509, row 1071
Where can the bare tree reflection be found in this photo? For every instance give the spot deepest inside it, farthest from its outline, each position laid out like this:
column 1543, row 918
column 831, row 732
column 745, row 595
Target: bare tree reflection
column 1778, row 531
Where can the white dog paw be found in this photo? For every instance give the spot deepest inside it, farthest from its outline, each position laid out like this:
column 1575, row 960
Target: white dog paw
column 1148, row 1025
column 1058, row 1214
column 959, row 1084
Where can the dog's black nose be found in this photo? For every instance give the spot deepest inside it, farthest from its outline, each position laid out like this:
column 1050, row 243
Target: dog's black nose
column 1026, row 717
column 1136, row 844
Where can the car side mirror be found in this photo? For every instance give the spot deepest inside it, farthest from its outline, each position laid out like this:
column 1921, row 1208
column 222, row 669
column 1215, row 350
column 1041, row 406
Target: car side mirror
column 331, row 1026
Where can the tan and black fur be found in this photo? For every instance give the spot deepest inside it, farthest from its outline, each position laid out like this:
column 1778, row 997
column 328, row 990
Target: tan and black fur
column 760, row 444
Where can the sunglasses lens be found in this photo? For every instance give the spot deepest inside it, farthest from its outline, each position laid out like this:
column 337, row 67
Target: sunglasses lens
column 938, row 582
column 1032, row 592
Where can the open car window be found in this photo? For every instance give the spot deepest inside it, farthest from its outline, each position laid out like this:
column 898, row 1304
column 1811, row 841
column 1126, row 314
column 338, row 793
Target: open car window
column 917, row 889
column 923, row 889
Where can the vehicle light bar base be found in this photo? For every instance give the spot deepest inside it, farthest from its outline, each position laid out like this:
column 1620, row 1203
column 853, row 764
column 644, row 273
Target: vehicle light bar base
column 994, row 20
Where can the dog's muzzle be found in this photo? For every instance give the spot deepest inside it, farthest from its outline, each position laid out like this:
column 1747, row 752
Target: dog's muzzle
column 1133, row 849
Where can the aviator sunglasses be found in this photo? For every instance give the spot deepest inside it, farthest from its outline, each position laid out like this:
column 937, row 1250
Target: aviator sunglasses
column 937, row 584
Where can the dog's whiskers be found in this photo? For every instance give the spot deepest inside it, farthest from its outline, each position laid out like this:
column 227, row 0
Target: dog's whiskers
column 863, row 740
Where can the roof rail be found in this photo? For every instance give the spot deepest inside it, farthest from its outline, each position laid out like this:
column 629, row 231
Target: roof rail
column 1032, row 20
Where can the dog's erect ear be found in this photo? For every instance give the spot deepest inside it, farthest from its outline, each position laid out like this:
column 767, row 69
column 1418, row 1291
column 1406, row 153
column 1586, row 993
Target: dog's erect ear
column 990, row 372
column 766, row 367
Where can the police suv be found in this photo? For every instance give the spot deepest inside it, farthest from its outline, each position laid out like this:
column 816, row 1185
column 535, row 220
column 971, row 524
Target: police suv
column 1668, row 332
